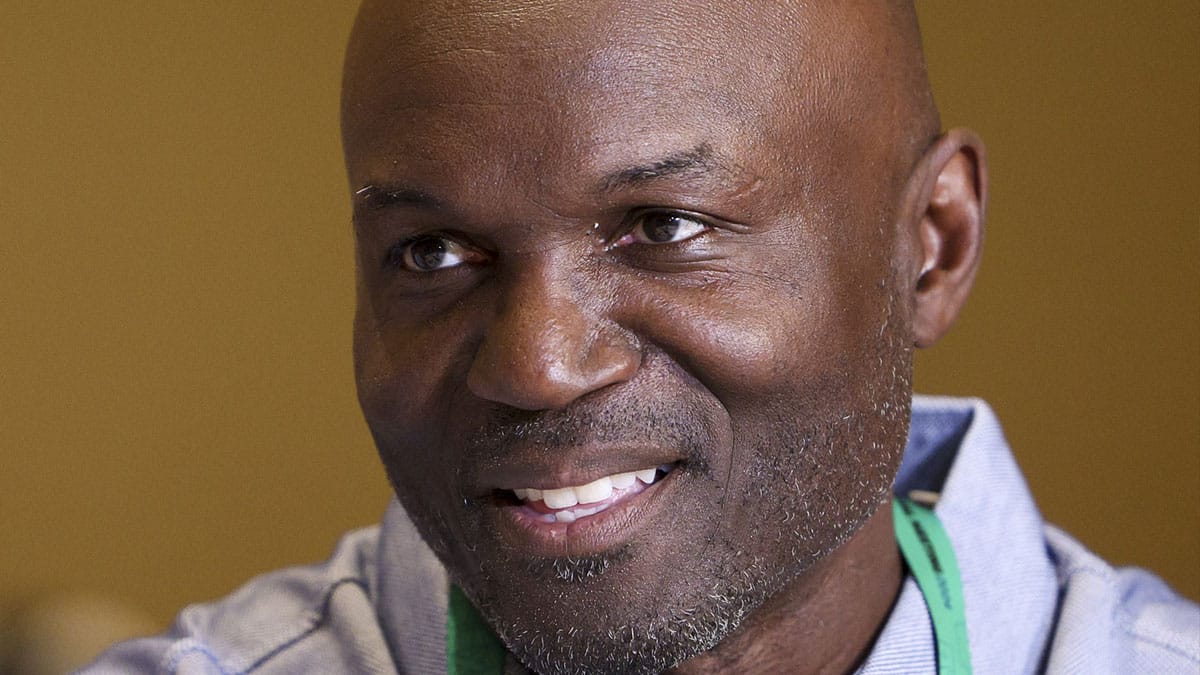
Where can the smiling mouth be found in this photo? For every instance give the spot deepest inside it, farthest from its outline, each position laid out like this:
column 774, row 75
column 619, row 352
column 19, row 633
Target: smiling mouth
column 569, row 504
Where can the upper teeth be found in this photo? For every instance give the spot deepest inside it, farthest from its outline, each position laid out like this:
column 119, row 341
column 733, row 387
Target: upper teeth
column 595, row 491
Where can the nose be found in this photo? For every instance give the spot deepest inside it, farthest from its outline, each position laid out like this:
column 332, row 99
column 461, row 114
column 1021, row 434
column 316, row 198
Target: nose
column 542, row 350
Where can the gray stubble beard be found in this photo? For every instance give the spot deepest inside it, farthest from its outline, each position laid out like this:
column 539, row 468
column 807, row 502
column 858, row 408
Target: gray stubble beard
column 741, row 583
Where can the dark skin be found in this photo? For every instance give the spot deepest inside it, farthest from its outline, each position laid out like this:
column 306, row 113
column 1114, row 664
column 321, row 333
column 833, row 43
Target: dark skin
column 599, row 237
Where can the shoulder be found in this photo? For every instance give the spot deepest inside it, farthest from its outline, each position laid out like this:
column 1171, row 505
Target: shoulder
column 291, row 620
column 1119, row 619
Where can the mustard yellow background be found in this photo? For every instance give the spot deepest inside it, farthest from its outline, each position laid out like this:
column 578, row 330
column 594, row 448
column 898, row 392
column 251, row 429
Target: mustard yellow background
column 177, row 409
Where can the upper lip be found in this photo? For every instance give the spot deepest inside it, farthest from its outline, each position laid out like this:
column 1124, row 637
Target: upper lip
column 569, row 467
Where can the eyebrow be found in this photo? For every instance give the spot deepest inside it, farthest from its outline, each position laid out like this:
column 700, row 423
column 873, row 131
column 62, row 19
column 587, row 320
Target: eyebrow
column 376, row 197
column 698, row 161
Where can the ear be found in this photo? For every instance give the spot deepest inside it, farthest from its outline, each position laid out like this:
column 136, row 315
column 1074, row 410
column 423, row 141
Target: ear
column 948, row 208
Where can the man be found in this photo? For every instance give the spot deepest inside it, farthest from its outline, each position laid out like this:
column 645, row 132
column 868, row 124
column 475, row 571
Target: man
column 639, row 285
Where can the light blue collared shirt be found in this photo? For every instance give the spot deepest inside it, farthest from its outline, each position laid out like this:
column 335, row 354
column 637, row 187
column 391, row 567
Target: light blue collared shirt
column 1036, row 599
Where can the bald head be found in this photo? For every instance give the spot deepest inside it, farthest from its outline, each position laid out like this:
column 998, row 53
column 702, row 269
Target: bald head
column 759, row 68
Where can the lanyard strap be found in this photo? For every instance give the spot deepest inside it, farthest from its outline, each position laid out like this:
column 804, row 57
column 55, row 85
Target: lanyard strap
column 930, row 558
column 473, row 649
column 471, row 646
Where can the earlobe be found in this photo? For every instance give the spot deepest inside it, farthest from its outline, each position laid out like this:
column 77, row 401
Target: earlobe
column 949, row 216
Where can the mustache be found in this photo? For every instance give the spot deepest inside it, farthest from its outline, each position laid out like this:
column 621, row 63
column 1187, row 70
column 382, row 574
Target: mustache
column 632, row 423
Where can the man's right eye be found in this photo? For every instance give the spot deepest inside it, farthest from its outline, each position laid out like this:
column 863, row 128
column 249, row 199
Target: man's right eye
column 430, row 253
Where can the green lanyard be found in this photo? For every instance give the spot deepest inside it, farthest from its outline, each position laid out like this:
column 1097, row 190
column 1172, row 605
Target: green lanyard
column 930, row 558
column 473, row 649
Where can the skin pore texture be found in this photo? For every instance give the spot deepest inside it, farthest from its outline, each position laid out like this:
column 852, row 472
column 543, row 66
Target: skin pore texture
column 602, row 237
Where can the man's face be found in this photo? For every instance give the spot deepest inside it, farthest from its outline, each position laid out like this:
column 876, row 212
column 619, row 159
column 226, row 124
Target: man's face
column 595, row 241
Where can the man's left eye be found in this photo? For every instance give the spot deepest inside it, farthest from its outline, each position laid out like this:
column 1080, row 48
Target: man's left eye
column 662, row 227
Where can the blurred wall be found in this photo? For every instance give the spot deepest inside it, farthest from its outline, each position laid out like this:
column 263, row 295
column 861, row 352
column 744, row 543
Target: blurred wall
column 177, row 409
column 1084, row 327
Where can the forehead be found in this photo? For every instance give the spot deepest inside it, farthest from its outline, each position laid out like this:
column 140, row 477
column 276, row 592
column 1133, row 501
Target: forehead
column 602, row 46
column 533, row 101
column 594, row 81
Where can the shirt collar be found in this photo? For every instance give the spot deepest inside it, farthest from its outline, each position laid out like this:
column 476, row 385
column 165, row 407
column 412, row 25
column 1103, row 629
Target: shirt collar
column 956, row 448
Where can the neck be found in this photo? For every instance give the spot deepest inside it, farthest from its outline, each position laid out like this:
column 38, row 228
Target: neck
column 825, row 621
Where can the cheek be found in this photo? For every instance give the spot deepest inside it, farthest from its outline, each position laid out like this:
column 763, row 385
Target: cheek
column 757, row 342
column 405, row 374
column 406, row 389
column 801, row 367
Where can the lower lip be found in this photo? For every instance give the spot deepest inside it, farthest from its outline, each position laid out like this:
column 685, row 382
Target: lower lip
column 524, row 528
